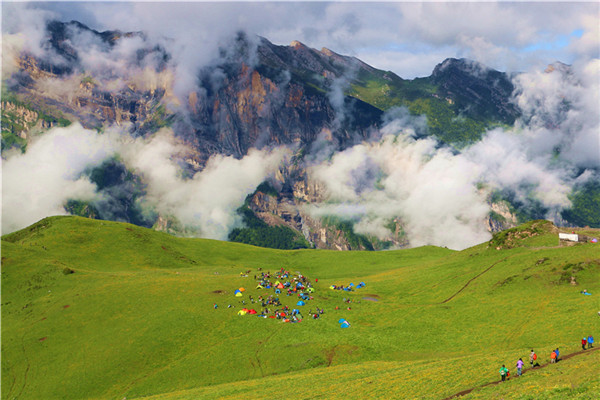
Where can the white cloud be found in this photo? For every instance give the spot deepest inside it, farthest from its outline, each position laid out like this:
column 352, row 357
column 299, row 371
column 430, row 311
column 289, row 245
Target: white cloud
column 38, row 183
column 457, row 29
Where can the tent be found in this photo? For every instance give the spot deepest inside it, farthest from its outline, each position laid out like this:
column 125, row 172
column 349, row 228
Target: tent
column 242, row 289
column 277, row 291
column 310, row 290
column 277, row 283
column 259, row 287
column 279, row 286
column 332, row 287
column 305, row 297
column 300, row 303
column 252, row 311
column 242, row 312
column 345, row 324
column 238, row 293
column 341, row 320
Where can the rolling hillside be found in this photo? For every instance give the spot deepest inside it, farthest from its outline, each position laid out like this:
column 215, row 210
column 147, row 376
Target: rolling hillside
column 103, row 310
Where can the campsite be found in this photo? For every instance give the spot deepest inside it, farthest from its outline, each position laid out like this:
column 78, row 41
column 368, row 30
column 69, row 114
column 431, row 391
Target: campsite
column 133, row 316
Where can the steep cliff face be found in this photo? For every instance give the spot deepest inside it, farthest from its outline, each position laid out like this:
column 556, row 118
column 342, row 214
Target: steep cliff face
column 276, row 95
column 60, row 81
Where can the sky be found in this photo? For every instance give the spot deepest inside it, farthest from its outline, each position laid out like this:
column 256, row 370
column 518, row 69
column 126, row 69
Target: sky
column 408, row 38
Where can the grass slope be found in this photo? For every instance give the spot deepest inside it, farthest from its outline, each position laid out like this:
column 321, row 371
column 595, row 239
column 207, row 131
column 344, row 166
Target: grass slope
column 136, row 318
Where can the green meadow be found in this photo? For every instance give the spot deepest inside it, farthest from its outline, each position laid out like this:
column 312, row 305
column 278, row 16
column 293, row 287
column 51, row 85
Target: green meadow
column 103, row 310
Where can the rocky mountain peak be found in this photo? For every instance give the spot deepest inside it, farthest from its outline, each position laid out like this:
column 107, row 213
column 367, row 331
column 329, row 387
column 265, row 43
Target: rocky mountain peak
column 473, row 86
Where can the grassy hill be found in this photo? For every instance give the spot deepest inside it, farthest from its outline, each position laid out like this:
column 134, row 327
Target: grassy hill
column 103, row 310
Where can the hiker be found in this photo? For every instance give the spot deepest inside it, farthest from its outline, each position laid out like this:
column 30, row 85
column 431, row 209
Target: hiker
column 520, row 367
column 583, row 343
column 553, row 357
column 557, row 354
column 590, row 341
column 215, row 305
column 503, row 372
column 532, row 357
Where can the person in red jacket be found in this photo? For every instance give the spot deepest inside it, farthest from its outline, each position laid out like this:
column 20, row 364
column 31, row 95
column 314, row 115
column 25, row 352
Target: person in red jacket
column 583, row 343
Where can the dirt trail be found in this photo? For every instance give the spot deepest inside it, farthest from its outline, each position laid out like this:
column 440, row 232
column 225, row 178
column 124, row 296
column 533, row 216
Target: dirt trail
column 472, row 279
column 563, row 358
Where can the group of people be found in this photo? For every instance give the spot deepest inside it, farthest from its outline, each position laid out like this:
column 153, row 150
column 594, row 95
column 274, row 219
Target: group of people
column 589, row 341
column 554, row 358
column 281, row 281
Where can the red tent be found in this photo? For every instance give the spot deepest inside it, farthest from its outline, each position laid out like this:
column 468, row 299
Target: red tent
column 252, row 311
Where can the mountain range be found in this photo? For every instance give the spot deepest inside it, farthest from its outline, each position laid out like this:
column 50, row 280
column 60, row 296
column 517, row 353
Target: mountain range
column 321, row 108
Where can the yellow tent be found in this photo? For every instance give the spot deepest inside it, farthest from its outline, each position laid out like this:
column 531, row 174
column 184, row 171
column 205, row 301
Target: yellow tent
column 238, row 294
column 242, row 312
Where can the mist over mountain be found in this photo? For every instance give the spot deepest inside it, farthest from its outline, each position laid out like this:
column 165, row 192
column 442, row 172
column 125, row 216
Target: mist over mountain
column 262, row 141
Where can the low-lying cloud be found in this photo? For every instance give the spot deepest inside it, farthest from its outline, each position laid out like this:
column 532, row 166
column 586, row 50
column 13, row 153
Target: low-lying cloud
column 443, row 197
column 39, row 182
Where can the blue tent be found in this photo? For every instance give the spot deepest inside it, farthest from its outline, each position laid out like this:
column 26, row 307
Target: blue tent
column 237, row 291
column 300, row 303
column 305, row 297
column 341, row 320
column 345, row 325
column 277, row 291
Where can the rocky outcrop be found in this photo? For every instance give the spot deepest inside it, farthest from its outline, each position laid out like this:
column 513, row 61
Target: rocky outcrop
column 501, row 217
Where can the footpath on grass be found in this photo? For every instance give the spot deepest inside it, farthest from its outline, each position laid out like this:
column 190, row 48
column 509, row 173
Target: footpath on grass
column 566, row 357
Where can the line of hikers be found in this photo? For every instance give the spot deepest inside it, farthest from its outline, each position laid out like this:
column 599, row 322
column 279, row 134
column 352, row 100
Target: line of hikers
column 554, row 358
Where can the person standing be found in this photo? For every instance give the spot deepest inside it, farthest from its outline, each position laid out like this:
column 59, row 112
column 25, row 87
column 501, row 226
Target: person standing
column 553, row 357
column 557, row 354
column 520, row 367
column 503, row 372
column 532, row 357
column 583, row 343
column 590, row 341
